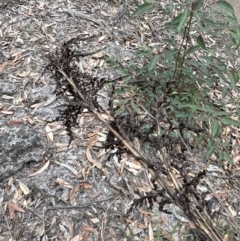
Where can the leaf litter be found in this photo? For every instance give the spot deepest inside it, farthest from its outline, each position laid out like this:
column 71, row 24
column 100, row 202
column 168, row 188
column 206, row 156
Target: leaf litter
column 29, row 37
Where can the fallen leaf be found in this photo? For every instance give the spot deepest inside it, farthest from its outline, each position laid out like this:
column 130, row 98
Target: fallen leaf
column 63, row 183
column 7, row 112
column 133, row 165
column 101, row 38
column 49, row 133
column 24, row 188
column 150, row 232
column 72, row 193
column 89, row 157
column 232, row 211
column 2, row 67
column 30, row 120
column 43, row 168
column 69, row 167
column 7, row 97
column 77, row 238
column 12, row 207
column 98, row 55
column 15, row 122
column 85, row 185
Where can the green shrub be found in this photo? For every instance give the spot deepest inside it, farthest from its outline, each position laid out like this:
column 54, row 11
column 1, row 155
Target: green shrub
column 189, row 79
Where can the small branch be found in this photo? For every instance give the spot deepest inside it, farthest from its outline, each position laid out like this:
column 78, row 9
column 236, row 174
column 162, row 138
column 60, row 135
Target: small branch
column 74, row 13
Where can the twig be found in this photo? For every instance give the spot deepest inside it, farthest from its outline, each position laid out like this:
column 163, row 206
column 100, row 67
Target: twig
column 74, row 13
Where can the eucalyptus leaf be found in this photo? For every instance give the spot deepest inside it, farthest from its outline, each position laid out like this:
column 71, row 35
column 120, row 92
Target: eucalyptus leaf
column 230, row 121
column 144, row 8
column 183, row 20
column 228, row 158
column 211, row 150
column 201, row 42
column 234, row 78
column 214, row 128
column 226, row 6
column 153, row 62
column 197, row 5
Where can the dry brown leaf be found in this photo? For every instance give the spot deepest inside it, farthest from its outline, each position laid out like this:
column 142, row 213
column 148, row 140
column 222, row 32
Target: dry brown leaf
column 77, row 238
column 150, row 232
column 63, row 183
column 101, row 38
column 106, row 116
column 30, row 121
column 89, row 157
column 43, row 168
column 7, row 112
column 113, row 234
column 96, row 194
column 7, row 97
column 49, row 133
column 98, row 55
column 70, row 226
column 85, row 185
column 72, row 193
column 15, row 122
column 12, row 207
column 24, row 188
column 232, row 211
column 226, row 237
column 236, row 159
column 88, row 229
column 2, row 67
column 133, row 165
column 92, row 217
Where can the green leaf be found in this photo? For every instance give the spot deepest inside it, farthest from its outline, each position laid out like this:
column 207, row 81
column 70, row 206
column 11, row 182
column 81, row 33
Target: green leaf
column 201, row 42
column 146, row 7
column 214, row 128
column 200, row 139
column 210, row 151
column 134, row 107
column 228, row 157
column 153, row 63
column 224, row 91
column 230, row 121
column 226, row 6
column 193, row 49
column 237, row 36
column 197, row 5
column 238, row 113
column 184, row 18
column 232, row 19
column 234, row 78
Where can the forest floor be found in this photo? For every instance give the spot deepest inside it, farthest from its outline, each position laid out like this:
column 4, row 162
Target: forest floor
column 51, row 190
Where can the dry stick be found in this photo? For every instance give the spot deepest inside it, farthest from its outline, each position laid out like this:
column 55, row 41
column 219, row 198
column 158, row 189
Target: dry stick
column 81, row 15
column 214, row 236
